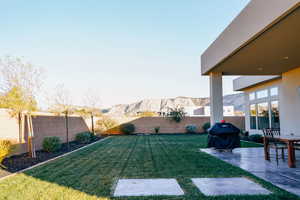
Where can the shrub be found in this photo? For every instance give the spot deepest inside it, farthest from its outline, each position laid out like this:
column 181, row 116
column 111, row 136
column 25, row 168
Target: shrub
column 156, row 129
column 256, row 138
column 127, row 128
column 51, row 144
column 94, row 136
column 244, row 133
column 206, row 126
column 106, row 123
column 176, row 114
column 245, row 138
column 84, row 137
column 191, row 128
column 5, row 149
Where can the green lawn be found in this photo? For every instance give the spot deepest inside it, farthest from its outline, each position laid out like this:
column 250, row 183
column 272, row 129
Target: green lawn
column 91, row 173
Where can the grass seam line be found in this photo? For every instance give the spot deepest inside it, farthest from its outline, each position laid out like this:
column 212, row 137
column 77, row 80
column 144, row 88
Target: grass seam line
column 52, row 159
column 129, row 156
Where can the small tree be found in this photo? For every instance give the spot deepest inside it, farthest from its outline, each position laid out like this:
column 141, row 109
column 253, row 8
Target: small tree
column 176, row 114
column 92, row 106
column 86, row 112
column 20, row 81
column 17, row 102
column 61, row 104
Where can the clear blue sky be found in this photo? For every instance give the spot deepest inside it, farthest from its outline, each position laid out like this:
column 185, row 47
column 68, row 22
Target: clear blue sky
column 125, row 50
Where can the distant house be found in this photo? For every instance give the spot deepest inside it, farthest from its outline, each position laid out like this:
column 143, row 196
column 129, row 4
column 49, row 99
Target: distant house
column 205, row 111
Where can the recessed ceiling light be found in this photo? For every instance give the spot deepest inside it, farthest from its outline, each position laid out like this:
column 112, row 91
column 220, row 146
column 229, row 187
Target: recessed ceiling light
column 259, row 68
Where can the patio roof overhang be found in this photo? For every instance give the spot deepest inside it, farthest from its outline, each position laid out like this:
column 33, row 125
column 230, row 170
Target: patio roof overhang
column 271, row 35
column 244, row 82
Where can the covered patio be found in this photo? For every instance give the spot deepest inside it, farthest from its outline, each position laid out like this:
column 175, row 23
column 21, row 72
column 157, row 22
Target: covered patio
column 261, row 43
column 275, row 171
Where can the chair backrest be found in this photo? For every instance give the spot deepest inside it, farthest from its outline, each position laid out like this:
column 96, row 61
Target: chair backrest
column 268, row 132
column 271, row 133
column 275, row 131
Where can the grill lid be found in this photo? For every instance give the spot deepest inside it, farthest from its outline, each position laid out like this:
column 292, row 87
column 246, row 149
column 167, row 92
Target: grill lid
column 223, row 129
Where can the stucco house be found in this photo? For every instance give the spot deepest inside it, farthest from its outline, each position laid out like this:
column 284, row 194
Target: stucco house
column 262, row 46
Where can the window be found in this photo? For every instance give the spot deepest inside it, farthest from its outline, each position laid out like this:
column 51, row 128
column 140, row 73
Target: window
column 264, row 108
column 263, row 115
column 275, row 123
column 262, row 94
column 252, row 96
column 274, row 91
column 253, row 116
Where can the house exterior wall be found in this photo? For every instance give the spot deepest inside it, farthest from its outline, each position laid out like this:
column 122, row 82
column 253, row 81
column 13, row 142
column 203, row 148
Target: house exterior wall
column 205, row 111
column 227, row 110
column 289, row 102
column 255, row 88
column 243, row 82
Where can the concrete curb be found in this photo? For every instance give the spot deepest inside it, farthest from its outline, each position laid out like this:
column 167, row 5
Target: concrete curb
column 52, row 159
column 252, row 142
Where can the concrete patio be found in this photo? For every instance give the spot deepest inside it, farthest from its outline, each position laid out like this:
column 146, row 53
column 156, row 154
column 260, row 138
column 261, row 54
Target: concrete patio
column 252, row 160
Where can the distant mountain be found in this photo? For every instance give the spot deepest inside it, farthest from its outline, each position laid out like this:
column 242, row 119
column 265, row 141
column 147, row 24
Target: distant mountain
column 162, row 105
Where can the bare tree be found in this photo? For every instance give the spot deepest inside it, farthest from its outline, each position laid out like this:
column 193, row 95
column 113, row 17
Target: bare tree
column 61, row 103
column 20, row 81
column 92, row 104
column 18, row 76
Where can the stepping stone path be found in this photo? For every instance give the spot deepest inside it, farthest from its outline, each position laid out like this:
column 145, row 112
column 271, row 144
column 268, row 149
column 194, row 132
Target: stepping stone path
column 147, row 187
column 228, row 186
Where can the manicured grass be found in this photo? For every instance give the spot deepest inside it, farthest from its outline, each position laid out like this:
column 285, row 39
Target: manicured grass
column 92, row 173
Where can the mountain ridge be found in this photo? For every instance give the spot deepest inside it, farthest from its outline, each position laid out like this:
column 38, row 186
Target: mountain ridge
column 162, row 104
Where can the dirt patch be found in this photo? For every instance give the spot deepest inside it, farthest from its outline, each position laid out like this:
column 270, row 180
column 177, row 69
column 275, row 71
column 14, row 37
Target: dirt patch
column 22, row 161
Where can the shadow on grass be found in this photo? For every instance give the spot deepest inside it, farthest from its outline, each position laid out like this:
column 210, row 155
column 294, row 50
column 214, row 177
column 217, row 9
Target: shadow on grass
column 92, row 173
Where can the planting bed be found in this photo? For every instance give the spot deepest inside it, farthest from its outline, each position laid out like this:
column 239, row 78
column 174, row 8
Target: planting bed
column 23, row 161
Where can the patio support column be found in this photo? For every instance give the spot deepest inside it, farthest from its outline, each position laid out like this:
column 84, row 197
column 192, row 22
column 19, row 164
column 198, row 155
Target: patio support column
column 216, row 97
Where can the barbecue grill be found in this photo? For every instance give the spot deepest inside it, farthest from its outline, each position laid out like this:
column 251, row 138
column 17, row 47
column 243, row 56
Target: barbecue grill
column 224, row 136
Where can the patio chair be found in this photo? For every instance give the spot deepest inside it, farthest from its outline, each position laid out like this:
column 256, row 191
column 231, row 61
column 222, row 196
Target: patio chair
column 297, row 146
column 275, row 144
